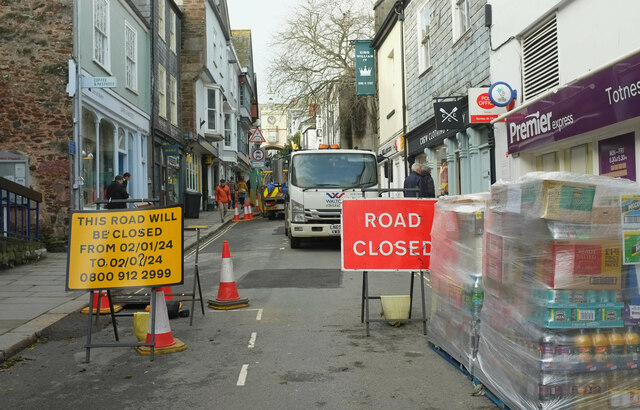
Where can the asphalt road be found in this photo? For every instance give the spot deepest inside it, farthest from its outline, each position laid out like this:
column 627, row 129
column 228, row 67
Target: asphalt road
column 299, row 345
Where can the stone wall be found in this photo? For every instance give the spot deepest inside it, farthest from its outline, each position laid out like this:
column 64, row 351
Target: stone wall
column 35, row 110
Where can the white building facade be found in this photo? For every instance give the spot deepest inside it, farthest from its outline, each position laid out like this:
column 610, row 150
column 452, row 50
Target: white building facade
column 576, row 68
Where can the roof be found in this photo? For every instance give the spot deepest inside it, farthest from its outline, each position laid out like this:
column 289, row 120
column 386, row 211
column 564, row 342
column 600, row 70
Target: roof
column 242, row 42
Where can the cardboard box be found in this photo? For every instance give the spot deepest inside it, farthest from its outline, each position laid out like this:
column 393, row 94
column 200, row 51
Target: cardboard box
column 567, row 201
column 583, row 265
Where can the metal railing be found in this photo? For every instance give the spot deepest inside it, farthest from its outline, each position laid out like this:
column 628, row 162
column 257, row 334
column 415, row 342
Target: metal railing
column 19, row 210
column 146, row 201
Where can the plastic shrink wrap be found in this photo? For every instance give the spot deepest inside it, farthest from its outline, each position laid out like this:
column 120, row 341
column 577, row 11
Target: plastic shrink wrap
column 456, row 275
column 559, row 324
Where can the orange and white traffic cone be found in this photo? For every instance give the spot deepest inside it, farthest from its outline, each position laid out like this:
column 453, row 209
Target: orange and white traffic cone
column 236, row 216
column 250, row 215
column 167, row 295
column 245, row 214
column 104, row 304
column 164, row 340
column 228, row 297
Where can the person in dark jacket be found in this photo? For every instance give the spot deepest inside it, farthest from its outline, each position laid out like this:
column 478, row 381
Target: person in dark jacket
column 415, row 180
column 116, row 190
column 428, row 180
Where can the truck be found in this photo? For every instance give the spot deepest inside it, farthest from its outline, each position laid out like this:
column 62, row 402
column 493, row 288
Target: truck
column 317, row 183
column 272, row 189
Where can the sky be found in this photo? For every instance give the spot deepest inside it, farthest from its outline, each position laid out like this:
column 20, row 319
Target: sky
column 264, row 18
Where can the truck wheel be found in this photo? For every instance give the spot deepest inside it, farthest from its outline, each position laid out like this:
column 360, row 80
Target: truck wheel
column 295, row 242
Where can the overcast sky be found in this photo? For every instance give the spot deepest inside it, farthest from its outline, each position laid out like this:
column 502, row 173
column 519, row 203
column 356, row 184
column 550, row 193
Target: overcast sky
column 263, row 18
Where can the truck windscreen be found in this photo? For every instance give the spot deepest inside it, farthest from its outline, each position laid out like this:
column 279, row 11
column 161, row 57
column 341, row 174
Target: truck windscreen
column 333, row 170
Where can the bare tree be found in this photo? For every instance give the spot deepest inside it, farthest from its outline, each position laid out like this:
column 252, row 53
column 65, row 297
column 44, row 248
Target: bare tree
column 314, row 63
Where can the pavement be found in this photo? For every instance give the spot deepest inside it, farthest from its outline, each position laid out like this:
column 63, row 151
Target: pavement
column 33, row 296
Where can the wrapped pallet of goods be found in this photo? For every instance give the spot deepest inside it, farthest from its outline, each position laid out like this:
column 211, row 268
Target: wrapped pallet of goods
column 456, row 275
column 560, row 315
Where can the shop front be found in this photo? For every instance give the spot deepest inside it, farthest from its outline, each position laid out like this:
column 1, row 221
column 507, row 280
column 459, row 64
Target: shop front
column 114, row 140
column 588, row 126
column 391, row 169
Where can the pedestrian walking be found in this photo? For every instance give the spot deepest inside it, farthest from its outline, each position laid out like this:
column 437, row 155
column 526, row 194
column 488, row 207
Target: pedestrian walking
column 242, row 190
column 415, row 180
column 126, row 177
column 232, row 188
column 223, row 196
column 116, row 190
column 428, row 179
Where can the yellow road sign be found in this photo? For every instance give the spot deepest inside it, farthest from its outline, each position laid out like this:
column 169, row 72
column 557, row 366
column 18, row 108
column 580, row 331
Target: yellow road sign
column 125, row 248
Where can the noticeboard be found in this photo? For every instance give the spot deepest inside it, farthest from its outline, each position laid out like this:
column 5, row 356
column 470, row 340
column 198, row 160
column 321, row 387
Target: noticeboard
column 386, row 234
column 125, row 248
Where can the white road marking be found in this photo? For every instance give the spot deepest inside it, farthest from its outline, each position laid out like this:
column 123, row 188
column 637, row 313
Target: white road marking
column 259, row 316
column 252, row 340
column 242, row 378
column 192, row 253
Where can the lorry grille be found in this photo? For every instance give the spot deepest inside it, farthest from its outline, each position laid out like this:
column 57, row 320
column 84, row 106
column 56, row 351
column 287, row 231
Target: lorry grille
column 323, row 215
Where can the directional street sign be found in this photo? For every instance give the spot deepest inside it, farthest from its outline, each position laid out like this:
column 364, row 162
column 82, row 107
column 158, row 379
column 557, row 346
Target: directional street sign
column 257, row 136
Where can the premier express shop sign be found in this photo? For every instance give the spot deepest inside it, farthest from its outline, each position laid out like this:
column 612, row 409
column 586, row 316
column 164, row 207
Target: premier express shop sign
column 386, row 234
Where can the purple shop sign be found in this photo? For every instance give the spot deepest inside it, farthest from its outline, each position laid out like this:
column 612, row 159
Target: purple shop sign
column 604, row 98
column 618, row 156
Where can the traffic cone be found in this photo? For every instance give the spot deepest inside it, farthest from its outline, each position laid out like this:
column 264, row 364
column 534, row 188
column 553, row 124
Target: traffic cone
column 250, row 216
column 104, row 304
column 228, row 297
column 236, row 216
column 167, row 296
column 245, row 214
column 164, row 340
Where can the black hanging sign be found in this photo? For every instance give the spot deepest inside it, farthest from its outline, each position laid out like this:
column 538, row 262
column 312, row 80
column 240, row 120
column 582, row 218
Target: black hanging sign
column 449, row 115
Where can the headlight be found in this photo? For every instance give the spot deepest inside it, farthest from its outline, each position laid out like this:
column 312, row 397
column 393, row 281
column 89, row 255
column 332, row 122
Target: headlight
column 297, row 212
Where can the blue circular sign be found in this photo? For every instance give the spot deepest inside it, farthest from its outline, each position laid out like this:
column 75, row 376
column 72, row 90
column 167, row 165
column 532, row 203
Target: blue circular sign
column 501, row 94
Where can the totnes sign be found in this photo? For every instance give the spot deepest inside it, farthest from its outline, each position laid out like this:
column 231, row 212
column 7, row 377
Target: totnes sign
column 607, row 97
column 386, row 234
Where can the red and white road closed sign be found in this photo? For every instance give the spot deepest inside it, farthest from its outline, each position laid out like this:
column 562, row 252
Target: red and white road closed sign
column 386, row 234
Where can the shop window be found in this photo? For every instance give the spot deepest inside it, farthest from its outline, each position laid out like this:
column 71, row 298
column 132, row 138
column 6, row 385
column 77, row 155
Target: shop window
column 548, row 162
column 227, row 130
column 192, row 173
column 101, row 33
column 580, row 159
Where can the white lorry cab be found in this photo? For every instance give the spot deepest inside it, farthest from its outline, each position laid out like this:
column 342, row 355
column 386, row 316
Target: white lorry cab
column 318, row 181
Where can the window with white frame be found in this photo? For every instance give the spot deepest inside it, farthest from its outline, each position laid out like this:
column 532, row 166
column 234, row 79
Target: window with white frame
column 101, row 33
column 162, row 91
column 172, row 30
column 241, row 97
column 212, row 109
column 227, row 130
column 424, row 38
column 161, row 19
column 131, row 56
column 173, row 83
column 193, row 173
column 460, row 18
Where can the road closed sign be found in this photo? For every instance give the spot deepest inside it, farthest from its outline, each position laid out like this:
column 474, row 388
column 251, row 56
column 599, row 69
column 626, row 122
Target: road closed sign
column 386, row 234
column 125, row 248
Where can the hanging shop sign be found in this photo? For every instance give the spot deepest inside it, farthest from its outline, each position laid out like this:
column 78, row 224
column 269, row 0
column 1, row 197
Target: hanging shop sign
column 481, row 106
column 365, row 68
column 501, row 94
column 449, row 115
column 607, row 97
